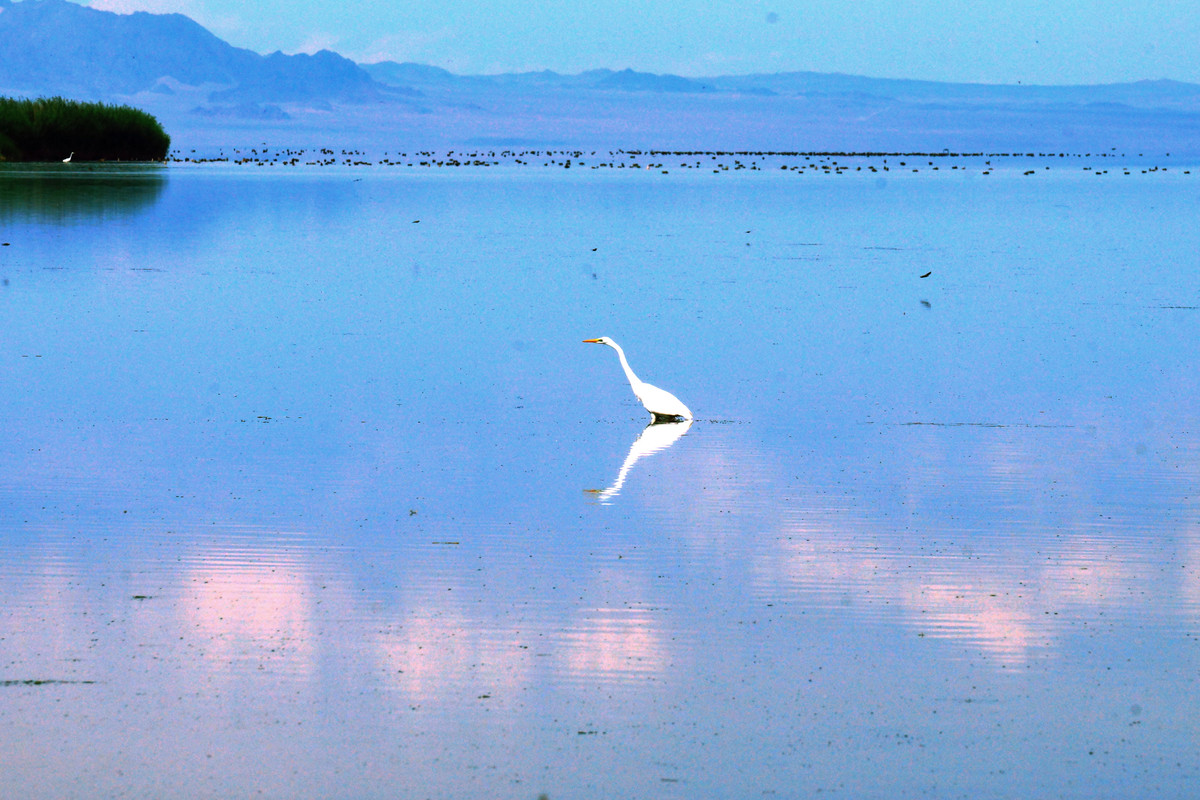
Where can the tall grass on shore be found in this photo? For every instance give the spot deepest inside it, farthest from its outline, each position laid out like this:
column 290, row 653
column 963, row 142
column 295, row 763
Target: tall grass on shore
column 50, row 129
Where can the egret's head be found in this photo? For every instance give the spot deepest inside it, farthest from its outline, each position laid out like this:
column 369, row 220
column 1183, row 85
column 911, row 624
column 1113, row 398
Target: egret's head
column 601, row 340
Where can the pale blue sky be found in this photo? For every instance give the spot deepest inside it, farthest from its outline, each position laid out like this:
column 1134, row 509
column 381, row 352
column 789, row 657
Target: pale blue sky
column 1028, row 41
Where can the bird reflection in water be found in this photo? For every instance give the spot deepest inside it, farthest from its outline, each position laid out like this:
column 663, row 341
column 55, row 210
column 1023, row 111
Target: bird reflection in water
column 656, row 436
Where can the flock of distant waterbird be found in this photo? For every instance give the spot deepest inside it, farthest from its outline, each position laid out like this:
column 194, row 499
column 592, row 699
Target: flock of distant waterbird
column 666, row 161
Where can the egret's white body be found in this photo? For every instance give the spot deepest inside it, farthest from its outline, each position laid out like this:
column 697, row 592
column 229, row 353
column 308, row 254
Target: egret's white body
column 659, row 402
column 657, row 436
column 67, row 160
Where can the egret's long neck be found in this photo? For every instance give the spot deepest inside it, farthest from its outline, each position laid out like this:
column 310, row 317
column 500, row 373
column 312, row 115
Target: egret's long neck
column 633, row 379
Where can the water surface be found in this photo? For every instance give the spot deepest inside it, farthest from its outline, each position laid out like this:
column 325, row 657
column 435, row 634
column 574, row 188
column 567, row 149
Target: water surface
column 309, row 487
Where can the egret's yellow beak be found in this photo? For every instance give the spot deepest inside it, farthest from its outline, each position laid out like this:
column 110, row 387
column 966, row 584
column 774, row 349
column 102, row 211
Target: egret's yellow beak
column 592, row 341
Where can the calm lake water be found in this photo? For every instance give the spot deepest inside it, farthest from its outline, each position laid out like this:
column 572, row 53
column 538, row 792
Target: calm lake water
column 310, row 488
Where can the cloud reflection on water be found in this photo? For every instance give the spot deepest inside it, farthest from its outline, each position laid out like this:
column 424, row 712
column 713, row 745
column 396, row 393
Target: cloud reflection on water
column 1008, row 555
column 440, row 655
column 251, row 610
column 616, row 643
column 957, row 570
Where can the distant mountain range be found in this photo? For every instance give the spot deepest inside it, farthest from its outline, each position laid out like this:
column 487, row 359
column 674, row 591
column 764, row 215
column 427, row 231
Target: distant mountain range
column 1160, row 94
column 173, row 66
column 58, row 47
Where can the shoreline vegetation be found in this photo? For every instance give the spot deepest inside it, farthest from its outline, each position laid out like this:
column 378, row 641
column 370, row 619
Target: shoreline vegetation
column 54, row 128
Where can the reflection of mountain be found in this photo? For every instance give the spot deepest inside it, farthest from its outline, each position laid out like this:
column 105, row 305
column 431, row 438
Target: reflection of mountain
column 656, row 436
column 68, row 193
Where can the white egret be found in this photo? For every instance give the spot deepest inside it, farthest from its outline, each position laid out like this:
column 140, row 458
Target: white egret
column 665, row 406
column 67, row 160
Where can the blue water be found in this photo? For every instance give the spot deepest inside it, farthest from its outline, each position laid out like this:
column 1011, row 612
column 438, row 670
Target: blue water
column 310, row 488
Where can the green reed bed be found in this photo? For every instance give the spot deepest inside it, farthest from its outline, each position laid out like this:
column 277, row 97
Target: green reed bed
column 50, row 129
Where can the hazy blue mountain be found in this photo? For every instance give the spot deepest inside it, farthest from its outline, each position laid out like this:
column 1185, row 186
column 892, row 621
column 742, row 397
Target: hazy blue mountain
column 629, row 81
column 1162, row 94
column 323, row 76
column 208, row 91
column 1141, row 94
column 410, row 75
column 58, row 47
column 626, row 80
